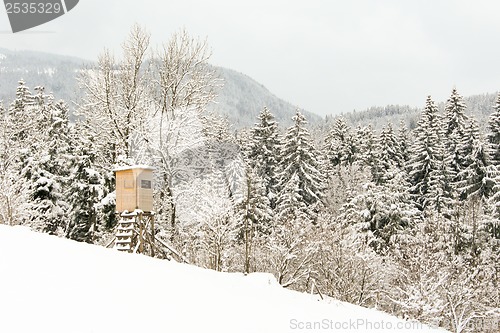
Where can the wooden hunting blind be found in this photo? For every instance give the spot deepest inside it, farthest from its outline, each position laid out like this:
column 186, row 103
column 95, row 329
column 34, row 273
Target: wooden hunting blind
column 135, row 230
column 134, row 188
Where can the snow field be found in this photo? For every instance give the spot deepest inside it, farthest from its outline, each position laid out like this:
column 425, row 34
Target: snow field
column 48, row 284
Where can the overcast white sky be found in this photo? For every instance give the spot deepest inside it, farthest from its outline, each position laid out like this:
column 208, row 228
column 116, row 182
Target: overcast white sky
column 326, row 56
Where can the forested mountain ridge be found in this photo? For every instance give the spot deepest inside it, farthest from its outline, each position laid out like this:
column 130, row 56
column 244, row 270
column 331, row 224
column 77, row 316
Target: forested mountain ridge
column 240, row 99
column 58, row 74
column 480, row 106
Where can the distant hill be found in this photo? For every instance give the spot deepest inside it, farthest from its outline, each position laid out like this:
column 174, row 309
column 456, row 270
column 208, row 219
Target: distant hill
column 56, row 73
column 241, row 99
column 480, row 106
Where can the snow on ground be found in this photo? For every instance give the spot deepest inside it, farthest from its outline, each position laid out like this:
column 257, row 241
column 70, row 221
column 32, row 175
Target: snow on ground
column 56, row 285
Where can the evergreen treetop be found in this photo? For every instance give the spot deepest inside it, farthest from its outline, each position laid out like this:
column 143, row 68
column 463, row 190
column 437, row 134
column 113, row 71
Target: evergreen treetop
column 263, row 152
column 300, row 163
column 427, row 152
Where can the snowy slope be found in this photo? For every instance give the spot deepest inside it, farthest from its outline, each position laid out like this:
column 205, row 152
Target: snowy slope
column 57, row 285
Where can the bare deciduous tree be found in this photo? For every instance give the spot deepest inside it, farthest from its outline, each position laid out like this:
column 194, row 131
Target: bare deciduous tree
column 116, row 100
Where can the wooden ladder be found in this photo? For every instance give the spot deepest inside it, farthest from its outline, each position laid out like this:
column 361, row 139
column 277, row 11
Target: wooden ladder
column 125, row 234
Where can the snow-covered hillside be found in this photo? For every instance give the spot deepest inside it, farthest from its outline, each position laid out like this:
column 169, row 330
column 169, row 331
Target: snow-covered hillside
column 55, row 285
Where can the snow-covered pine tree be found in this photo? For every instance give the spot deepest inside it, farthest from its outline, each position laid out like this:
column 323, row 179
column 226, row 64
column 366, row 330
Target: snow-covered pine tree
column 42, row 211
column 404, row 142
column 20, row 142
column 290, row 203
column 427, row 153
column 494, row 133
column 454, row 115
column 45, row 165
column 454, row 128
column 86, row 190
column 59, row 139
column 475, row 184
column 58, row 152
column 20, row 119
column 476, row 179
column 441, row 194
column 388, row 156
column 263, row 153
column 301, row 166
column 106, row 208
column 380, row 212
column 494, row 150
column 9, row 196
column 339, row 144
column 365, row 140
column 494, row 204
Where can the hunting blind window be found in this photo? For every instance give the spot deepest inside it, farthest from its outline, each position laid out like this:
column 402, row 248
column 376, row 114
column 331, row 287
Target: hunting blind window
column 146, row 184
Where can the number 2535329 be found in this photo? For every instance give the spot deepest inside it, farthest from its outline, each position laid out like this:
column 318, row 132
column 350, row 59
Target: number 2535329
column 33, row 8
